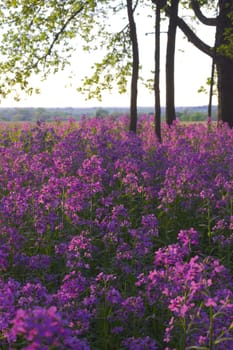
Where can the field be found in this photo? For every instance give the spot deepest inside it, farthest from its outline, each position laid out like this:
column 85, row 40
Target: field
column 113, row 241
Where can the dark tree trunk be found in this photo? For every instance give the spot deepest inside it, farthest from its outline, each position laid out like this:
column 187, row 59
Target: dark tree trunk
column 157, row 75
column 134, row 79
column 224, row 62
column 225, row 90
column 170, row 63
column 211, row 87
column 224, row 65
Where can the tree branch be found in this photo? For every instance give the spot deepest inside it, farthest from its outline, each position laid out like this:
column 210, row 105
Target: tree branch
column 135, row 6
column 202, row 18
column 195, row 40
column 55, row 39
column 191, row 36
column 57, row 35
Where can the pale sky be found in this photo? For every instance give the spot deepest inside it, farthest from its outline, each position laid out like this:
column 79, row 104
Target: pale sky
column 192, row 68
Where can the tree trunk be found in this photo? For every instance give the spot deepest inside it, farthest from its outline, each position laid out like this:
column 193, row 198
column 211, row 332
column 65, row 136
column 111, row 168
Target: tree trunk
column 157, row 75
column 224, row 65
column 170, row 63
column 211, row 87
column 135, row 69
column 225, row 90
column 224, row 58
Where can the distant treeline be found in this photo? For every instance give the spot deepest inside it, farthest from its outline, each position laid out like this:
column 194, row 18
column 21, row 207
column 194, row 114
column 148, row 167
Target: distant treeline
column 50, row 114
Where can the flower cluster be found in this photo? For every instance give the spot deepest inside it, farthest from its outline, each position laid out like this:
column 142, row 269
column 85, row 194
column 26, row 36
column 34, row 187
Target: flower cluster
column 111, row 240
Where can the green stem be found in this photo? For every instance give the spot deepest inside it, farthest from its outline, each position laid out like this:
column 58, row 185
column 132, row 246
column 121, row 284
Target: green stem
column 209, row 222
column 211, row 328
column 184, row 337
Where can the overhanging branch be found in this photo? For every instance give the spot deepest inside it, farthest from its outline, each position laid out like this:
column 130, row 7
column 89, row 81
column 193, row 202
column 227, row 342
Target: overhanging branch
column 191, row 36
column 56, row 38
column 61, row 31
column 195, row 40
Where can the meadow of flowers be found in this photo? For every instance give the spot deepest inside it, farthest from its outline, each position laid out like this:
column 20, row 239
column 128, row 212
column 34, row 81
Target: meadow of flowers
column 113, row 241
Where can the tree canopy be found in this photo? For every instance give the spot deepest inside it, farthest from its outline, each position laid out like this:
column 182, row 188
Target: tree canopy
column 32, row 34
column 39, row 37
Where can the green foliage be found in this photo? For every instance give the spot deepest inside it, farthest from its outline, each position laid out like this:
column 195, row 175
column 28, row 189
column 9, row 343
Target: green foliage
column 205, row 4
column 205, row 89
column 227, row 48
column 40, row 37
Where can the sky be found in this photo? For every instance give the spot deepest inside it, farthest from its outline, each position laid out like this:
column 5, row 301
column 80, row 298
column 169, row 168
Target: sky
column 192, row 68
